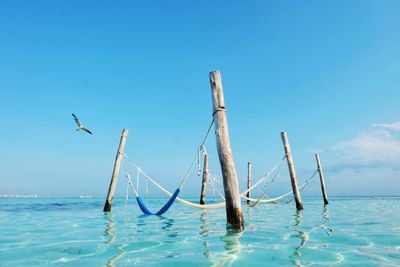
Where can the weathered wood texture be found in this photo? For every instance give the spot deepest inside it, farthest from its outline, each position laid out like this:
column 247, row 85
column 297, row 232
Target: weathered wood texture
column 248, row 181
column 114, row 177
column 232, row 198
column 204, row 181
column 322, row 180
column 292, row 172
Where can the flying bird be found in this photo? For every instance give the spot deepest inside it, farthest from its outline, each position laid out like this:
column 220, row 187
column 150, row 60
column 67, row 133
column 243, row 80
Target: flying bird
column 80, row 126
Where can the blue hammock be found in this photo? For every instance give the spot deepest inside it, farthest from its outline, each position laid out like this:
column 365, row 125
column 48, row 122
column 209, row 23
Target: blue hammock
column 167, row 205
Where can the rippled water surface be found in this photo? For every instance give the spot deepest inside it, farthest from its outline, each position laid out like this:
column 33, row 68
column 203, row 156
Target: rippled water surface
column 75, row 232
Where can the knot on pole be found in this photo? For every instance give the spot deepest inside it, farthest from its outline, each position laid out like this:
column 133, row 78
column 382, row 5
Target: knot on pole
column 217, row 110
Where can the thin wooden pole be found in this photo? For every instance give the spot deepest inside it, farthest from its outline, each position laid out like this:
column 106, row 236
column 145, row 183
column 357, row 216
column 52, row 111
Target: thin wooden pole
column 322, row 180
column 232, row 198
column 292, row 171
column 248, row 180
column 204, row 181
column 114, row 177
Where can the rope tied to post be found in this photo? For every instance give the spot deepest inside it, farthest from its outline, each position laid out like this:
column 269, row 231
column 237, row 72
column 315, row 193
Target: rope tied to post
column 218, row 110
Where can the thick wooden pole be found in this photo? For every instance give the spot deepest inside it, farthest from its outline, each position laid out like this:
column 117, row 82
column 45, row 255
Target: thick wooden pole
column 114, row 177
column 248, row 180
column 232, row 198
column 204, row 181
column 292, row 172
column 322, row 180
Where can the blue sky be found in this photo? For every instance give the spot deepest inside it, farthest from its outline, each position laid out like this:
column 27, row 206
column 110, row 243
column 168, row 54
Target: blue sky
column 325, row 72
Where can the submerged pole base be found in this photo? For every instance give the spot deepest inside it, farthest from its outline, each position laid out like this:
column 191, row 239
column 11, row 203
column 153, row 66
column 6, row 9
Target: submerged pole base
column 235, row 218
column 107, row 206
column 299, row 206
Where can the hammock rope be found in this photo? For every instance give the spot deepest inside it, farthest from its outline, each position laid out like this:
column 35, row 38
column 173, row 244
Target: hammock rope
column 173, row 196
column 267, row 200
column 128, row 176
column 260, row 199
column 127, row 193
column 213, row 185
column 302, row 186
column 306, row 182
column 197, row 155
column 207, row 206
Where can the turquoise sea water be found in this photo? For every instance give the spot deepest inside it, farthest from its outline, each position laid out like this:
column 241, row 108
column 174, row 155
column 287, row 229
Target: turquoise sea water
column 75, row 232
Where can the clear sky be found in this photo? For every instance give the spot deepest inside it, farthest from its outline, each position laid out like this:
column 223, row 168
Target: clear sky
column 327, row 72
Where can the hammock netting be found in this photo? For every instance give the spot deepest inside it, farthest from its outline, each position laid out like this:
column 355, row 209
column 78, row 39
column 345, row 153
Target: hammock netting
column 164, row 209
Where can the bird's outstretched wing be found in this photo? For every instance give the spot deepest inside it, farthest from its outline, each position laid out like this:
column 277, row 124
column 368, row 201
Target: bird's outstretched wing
column 76, row 120
column 86, row 130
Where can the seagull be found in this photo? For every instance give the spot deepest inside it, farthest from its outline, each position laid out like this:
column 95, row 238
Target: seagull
column 80, row 126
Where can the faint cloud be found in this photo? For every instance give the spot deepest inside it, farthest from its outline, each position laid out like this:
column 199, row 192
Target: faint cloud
column 367, row 164
column 395, row 126
column 379, row 180
column 379, row 145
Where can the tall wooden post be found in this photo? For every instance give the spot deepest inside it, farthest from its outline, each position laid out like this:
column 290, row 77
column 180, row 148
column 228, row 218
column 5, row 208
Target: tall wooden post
column 204, row 181
column 232, row 198
column 114, row 177
column 293, row 178
column 322, row 180
column 248, row 180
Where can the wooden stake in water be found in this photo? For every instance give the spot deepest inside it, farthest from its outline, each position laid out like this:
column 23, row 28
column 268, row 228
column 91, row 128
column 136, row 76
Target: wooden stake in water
column 322, row 180
column 292, row 172
column 114, row 177
column 204, row 181
column 248, row 180
column 232, row 198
